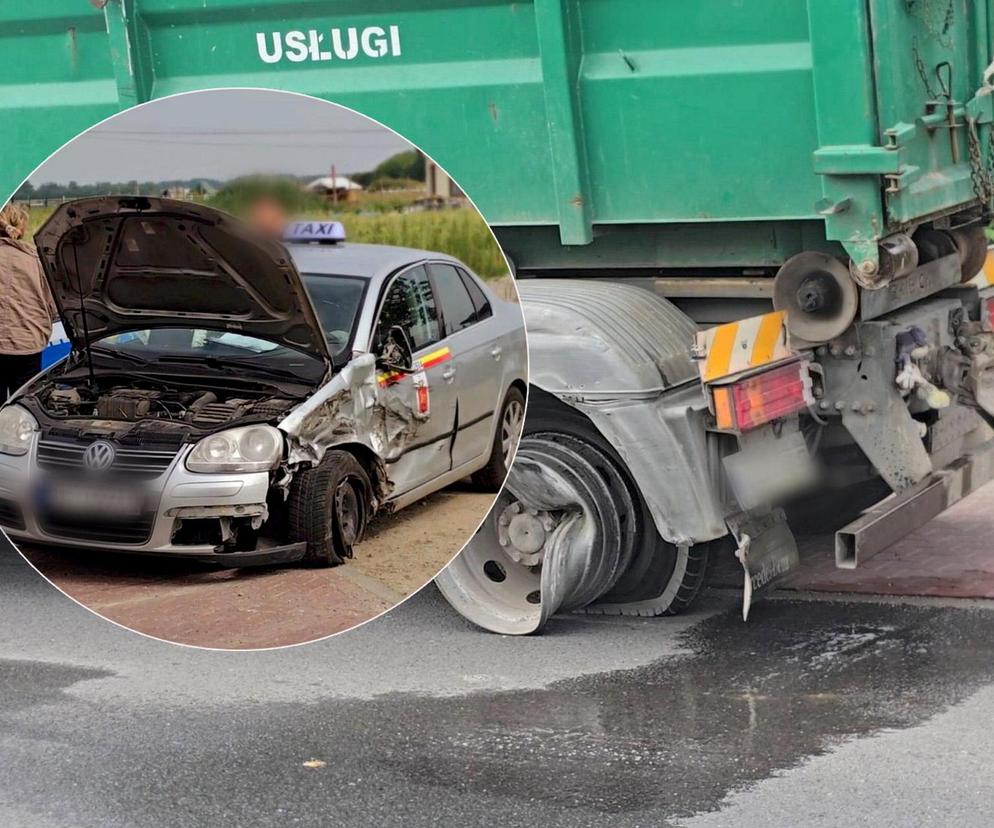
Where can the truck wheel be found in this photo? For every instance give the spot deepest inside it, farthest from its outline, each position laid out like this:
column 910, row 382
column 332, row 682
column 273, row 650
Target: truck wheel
column 570, row 531
column 329, row 508
column 506, row 435
column 971, row 244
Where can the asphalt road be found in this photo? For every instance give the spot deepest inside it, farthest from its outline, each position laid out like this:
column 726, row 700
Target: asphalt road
column 818, row 712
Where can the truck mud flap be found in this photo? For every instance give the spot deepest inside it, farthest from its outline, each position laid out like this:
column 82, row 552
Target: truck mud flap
column 766, row 548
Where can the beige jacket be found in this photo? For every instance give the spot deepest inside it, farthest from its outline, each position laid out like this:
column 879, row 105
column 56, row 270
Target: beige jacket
column 26, row 305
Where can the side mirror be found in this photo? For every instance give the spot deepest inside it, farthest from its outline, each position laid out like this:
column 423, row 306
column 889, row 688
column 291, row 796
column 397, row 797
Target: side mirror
column 395, row 352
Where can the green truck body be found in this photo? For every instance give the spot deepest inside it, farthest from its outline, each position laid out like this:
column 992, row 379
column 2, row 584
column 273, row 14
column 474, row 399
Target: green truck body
column 686, row 134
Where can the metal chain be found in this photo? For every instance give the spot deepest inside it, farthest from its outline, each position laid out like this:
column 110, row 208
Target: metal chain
column 938, row 20
column 982, row 170
column 989, row 177
column 923, row 71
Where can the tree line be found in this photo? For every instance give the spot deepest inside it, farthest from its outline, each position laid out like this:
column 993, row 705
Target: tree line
column 55, row 190
column 401, row 168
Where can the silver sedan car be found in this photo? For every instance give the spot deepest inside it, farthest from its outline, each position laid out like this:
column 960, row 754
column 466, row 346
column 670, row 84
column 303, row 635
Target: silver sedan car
column 241, row 400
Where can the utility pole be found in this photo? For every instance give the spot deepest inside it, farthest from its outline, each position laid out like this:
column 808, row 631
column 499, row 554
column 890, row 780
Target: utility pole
column 334, row 186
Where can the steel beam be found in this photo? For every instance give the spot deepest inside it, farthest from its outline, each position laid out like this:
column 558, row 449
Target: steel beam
column 898, row 516
column 559, row 53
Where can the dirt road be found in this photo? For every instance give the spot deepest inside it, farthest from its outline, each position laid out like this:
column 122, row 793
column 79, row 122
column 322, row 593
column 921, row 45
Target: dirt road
column 269, row 607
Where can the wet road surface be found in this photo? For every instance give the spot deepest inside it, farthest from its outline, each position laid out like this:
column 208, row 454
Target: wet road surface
column 417, row 719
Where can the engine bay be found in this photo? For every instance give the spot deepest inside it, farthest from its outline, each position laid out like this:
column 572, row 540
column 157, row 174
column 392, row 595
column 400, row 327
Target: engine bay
column 198, row 407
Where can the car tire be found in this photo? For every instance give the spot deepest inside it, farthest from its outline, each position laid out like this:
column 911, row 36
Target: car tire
column 512, row 414
column 329, row 508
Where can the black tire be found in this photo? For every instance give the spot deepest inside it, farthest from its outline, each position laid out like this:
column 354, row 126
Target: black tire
column 329, row 508
column 491, row 477
column 654, row 561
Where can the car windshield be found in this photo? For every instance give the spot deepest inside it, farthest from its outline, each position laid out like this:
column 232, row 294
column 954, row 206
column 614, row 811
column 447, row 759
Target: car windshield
column 336, row 301
column 204, row 347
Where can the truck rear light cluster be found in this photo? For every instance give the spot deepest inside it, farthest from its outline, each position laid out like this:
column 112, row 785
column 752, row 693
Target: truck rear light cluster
column 762, row 398
column 989, row 312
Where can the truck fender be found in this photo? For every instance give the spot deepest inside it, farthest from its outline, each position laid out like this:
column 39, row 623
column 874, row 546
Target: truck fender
column 620, row 354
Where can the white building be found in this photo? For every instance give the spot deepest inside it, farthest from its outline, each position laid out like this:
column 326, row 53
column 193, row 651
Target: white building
column 439, row 186
column 339, row 186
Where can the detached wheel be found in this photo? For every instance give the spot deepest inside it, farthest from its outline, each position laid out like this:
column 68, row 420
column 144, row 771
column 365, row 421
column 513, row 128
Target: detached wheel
column 506, row 436
column 329, row 508
column 569, row 532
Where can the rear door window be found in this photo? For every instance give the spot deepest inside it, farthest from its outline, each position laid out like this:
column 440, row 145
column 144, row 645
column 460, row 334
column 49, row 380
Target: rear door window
column 458, row 309
column 480, row 301
column 410, row 304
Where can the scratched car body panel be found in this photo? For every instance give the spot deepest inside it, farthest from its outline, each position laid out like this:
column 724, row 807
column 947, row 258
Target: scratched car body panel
column 220, row 371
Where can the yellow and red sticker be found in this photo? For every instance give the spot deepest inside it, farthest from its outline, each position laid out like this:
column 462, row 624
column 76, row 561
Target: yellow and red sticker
column 743, row 345
column 429, row 360
column 435, row 357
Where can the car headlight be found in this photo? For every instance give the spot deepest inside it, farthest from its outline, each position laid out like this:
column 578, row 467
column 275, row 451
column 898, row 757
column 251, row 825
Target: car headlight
column 246, row 449
column 17, row 428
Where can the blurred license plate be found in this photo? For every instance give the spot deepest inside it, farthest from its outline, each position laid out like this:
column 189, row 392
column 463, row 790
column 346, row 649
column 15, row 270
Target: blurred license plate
column 84, row 499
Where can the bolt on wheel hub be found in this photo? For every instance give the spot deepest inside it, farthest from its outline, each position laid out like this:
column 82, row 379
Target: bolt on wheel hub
column 523, row 532
column 553, row 542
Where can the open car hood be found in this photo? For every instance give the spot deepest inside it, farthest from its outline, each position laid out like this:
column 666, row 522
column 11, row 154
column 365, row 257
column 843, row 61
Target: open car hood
column 119, row 263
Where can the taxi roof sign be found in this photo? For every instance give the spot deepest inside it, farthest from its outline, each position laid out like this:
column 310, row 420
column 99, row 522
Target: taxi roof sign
column 315, row 232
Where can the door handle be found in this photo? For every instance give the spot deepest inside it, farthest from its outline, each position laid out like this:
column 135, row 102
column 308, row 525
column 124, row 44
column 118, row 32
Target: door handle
column 496, row 352
column 449, row 374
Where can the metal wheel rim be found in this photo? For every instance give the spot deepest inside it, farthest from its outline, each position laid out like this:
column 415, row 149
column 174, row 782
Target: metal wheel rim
column 348, row 510
column 510, row 430
column 493, row 590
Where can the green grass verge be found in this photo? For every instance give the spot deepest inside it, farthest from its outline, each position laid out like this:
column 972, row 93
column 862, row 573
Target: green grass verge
column 460, row 232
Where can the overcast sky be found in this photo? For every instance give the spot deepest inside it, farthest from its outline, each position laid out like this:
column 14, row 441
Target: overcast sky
column 222, row 134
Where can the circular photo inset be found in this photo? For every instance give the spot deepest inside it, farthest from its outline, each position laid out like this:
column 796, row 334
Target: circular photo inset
column 265, row 371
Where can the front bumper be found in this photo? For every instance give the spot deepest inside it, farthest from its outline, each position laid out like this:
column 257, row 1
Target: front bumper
column 176, row 495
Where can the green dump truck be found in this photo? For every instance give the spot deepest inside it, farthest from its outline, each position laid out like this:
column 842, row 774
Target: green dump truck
column 749, row 237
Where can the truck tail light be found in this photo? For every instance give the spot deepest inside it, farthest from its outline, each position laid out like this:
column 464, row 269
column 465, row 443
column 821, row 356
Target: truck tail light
column 761, row 398
column 989, row 311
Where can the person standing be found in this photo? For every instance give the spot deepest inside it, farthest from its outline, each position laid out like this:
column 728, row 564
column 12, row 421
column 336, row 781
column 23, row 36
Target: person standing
column 267, row 216
column 26, row 305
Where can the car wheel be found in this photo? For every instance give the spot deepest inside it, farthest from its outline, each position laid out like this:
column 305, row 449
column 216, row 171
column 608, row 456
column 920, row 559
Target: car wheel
column 506, row 435
column 329, row 508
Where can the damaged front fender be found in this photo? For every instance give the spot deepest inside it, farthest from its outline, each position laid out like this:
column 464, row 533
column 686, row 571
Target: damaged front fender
column 355, row 407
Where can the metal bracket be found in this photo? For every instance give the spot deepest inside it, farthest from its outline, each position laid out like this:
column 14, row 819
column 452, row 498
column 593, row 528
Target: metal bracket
column 560, row 69
column 857, row 159
column 896, row 517
column 130, row 53
column 923, row 281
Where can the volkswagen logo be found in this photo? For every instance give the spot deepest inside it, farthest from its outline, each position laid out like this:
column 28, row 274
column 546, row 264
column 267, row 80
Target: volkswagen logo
column 99, row 456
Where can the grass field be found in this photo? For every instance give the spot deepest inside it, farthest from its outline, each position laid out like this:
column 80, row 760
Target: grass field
column 459, row 232
column 38, row 216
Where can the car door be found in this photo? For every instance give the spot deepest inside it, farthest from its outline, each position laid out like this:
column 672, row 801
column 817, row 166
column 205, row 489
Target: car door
column 408, row 302
column 466, row 314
